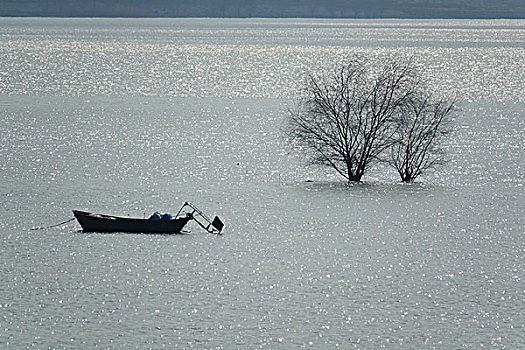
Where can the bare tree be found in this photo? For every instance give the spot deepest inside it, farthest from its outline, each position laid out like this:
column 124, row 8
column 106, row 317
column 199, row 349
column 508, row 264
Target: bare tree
column 421, row 127
column 347, row 119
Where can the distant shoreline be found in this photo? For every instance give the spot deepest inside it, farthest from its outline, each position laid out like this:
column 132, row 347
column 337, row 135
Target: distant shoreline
column 328, row 9
column 263, row 17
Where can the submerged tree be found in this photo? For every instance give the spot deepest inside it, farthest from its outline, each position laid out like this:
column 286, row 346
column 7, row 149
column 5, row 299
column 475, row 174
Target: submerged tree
column 347, row 120
column 422, row 125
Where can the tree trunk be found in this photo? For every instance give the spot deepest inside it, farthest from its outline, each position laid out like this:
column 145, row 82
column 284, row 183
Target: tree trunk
column 354, row 177
column 407, row 177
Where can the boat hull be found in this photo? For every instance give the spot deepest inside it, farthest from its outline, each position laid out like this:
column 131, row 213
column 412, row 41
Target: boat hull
column 108, row 224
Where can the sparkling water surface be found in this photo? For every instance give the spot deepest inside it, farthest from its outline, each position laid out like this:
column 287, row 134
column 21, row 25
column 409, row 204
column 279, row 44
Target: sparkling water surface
column 130, row 116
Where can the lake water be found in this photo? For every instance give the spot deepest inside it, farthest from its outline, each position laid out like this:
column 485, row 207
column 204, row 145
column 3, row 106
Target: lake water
column 130, row 116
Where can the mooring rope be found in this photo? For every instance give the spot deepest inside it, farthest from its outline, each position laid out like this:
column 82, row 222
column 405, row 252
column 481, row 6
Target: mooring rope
column 43, row 228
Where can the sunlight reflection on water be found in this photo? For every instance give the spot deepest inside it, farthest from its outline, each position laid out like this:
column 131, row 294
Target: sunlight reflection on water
column 127, row 119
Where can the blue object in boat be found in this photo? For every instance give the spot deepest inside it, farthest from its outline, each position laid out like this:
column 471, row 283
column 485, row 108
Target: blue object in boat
column 155, row 216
